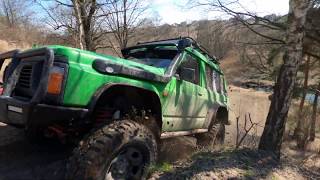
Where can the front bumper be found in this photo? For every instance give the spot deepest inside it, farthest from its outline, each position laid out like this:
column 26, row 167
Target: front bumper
column 21, row 113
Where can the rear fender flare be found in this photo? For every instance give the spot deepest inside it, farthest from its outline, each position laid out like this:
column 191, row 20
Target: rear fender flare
column 217, row 113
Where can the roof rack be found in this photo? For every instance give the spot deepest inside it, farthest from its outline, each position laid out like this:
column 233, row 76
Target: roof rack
column 155, row 41
column 188, row 41
column 203, row 49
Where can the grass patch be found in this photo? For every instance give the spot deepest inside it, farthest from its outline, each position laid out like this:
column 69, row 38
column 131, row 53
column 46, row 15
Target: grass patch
column 161, row 167
column 249, row 173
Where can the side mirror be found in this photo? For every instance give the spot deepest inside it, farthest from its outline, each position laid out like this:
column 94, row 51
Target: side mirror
column 187, row 74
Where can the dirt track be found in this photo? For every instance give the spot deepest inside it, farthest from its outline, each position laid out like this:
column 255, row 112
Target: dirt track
column 19, row 159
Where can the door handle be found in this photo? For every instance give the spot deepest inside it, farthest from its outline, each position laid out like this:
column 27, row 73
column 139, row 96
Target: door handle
column 200, row 94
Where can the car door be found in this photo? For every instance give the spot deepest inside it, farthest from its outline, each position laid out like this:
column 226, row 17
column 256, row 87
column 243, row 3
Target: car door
column 183, row 110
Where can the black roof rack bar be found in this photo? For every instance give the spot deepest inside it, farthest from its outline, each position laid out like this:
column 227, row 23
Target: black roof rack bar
column 126, row 50
column 193, row 42
column 155, row 41
column 197, row 45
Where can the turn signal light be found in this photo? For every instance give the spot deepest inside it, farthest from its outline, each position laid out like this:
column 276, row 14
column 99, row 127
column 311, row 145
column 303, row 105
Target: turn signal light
column 55, row 81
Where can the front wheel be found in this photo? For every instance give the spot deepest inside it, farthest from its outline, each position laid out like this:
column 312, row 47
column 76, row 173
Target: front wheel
column 122, row 150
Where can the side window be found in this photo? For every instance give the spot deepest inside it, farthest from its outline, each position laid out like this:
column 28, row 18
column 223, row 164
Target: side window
column 223, row 81
column 189, row 70
column 216, row 82
column 209, row 78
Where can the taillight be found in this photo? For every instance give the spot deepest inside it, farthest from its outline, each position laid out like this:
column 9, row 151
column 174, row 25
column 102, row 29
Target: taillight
column 1, row 90
column 55, row 80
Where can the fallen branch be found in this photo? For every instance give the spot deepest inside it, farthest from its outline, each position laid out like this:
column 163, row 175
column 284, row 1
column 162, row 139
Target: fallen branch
column 246, row 129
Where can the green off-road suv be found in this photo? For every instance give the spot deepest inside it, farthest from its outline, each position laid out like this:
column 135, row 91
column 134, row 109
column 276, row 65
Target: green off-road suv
column 118, row 109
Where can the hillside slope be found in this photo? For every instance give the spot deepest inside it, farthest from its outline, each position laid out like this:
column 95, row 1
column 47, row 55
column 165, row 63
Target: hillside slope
column 233, row 68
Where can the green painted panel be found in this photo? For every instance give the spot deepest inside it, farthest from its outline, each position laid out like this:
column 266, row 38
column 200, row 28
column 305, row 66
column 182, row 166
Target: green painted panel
column 184, row 105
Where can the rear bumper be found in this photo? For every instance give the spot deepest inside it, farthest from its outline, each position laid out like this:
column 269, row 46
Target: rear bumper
column 20, row 113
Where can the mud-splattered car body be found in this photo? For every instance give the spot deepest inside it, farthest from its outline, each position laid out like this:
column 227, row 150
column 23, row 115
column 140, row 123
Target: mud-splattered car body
column 65, row 89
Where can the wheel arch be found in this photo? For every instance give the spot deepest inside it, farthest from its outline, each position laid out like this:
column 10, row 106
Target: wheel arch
column 222, row 115
column 151, row 98
column 217, row 113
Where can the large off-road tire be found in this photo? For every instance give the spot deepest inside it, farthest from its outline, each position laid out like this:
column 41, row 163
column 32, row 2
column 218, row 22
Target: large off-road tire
column 121, row 150
column 215, row 136
column 221, row 135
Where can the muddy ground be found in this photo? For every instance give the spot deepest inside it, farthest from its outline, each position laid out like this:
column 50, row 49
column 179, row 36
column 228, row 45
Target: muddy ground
column 20, row 159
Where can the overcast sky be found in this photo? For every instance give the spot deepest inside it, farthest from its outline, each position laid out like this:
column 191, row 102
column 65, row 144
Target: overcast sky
column 173, row 11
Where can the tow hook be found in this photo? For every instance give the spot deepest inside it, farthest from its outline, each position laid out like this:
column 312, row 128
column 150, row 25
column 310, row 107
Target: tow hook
column 56, row 131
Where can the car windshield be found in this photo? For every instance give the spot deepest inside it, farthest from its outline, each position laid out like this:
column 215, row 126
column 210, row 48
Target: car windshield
column 156, row 56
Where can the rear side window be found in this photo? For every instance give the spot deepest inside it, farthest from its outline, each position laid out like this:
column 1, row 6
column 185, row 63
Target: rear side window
column 223, row 81
column 217, row 82
column 209, row 77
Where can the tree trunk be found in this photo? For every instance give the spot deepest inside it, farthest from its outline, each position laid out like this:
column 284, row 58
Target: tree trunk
column 314, row 115
column 79, row 22
column 271, row 138
column 298, row 128
column 303, row 129
column 125, row 26
column 87, row 12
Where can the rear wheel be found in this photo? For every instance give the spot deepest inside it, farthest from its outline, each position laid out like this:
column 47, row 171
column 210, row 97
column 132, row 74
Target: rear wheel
column 215, row 136
column 221, row 135
column 121, row 150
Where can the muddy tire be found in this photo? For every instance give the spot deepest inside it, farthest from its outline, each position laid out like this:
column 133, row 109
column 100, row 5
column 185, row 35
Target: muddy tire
column 215, row 136
column 221, row 135
column 121, row 150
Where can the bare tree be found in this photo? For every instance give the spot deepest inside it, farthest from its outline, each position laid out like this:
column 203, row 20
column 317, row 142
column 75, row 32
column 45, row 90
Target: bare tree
column 297, row 131
column 271, row 138
column 311, row 50
column 294, row 27
column 314, row 114
column 124, row 19
column 15, row 12
column 82, row 18
column 259, row 39
column 213, row 36
column 8, row 9
column 263, row 59
column 81, row 24
column 247, row 127
column 250, row 20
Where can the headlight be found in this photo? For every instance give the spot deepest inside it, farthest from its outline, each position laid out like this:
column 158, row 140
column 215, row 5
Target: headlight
column 55, row 80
